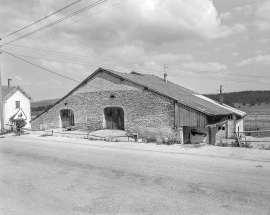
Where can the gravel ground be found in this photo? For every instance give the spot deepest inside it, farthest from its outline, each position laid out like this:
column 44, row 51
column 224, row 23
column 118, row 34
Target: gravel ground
column 59, row 175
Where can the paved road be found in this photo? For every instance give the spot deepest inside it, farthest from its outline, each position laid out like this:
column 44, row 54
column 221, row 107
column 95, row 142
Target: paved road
column 46, row 177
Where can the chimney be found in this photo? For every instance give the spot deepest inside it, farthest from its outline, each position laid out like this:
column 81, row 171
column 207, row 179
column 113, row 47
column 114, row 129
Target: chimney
column 221, row 95
column 165, row 77
column 9, row 79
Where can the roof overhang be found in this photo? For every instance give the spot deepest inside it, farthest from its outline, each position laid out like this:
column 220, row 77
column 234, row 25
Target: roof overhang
column 227, row 107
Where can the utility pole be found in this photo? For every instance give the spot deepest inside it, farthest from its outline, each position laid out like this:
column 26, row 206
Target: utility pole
column 221, row 95
column 1, row 99
column 165, row 67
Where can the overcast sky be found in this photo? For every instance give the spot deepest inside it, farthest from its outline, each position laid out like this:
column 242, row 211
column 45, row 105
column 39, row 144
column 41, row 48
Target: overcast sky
column 202, row 43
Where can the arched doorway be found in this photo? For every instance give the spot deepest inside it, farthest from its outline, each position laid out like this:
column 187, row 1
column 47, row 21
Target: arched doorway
column 67, row 118
column 114, row 117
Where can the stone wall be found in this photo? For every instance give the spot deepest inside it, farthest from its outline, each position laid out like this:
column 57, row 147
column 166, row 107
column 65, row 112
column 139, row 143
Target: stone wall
column 142, row 109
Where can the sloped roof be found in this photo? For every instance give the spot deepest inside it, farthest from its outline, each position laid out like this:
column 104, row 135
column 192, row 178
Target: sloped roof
column 169, row 89
column 7, row 91
column 234, row 110
column 178, row 93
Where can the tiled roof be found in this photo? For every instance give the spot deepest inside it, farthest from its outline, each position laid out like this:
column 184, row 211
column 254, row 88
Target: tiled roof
column 169, row 89
column 177, row 93
column 7, row 90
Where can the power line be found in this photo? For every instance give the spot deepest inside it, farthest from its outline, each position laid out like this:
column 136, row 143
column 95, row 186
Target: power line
column 40, row 67
column 54, row 60
column 95, row 87
column 74, row 22
column 133, row 63
column 222, row 79
column 84, row 56
column 57, row 21
column 173, row 74
column 73, row 3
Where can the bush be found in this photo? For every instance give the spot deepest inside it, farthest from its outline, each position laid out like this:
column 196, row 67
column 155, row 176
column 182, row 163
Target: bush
column 20, row 123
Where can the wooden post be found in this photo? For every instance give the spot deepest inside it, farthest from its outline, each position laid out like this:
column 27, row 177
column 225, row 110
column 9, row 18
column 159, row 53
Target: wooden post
column 1, row 101
column 256, row 125
column 212, row 135
column 221, row 95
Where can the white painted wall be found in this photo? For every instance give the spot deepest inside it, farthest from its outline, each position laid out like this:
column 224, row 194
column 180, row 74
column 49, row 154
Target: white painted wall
column 240, row 125
column 10, row 107
column 235, row 125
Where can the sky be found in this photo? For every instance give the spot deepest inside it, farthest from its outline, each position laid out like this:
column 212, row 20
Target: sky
column 200, row 44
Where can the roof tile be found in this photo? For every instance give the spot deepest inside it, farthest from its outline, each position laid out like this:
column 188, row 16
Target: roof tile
column 176, row 92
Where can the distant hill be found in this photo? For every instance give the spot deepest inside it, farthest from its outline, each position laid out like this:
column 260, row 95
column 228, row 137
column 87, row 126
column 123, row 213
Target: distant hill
column 243, row 97
column 45, row 103
column 37, row 107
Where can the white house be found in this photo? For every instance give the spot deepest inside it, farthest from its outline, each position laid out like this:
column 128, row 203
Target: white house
column 16, row 103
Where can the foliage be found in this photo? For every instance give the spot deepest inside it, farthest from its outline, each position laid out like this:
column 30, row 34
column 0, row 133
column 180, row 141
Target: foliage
column 20, row 123
column 41, row 108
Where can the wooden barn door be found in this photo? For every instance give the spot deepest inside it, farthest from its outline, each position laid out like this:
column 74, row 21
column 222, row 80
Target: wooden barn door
column 67, row 118
column 114, row 117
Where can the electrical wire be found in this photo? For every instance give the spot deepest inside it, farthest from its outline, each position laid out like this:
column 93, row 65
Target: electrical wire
column 94, row 87
column 74, row 22
column 40, row 66
column 97, row 63
column 83, row 56
column 136, row 64
column 61, row 9
column 57, row 21
column 173, row 74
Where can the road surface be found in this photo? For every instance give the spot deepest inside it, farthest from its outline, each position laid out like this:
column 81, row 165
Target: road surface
column 50, row 177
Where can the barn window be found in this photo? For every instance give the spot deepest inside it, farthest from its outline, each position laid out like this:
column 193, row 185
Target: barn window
column 17, row 104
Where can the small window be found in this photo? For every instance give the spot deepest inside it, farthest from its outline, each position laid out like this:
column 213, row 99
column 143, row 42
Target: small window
column 230, row 117
column 112, row 96
column 221, row 127
column 17, row 104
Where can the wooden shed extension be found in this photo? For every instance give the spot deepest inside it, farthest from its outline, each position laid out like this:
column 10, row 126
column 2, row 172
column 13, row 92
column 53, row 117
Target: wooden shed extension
column 186, row 116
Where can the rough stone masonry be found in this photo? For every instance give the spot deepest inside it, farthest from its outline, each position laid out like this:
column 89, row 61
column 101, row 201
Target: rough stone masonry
column 143, row 109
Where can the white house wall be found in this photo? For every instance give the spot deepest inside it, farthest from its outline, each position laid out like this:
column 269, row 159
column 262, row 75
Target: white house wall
column 237, row 125
column 10, row 107
column 240, row 125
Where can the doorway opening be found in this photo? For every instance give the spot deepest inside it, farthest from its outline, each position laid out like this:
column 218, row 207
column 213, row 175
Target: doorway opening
column 114, row 118
column 67, row 118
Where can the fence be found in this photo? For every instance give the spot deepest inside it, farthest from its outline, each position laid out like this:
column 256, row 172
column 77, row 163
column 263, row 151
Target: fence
column 244, row 142
column 255, row 121
column 85, row 134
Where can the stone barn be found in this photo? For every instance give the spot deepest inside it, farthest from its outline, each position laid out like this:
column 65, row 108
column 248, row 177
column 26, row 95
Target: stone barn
column 140, row 103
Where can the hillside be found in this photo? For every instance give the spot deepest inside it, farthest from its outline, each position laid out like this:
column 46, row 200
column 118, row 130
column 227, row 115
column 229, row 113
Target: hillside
column 37, row 107
column 41, row 103
column 244, row 97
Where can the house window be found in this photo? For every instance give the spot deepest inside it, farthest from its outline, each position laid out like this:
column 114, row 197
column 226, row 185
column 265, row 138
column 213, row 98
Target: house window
column 221, row 127
column 17, row 103
column 230, row 117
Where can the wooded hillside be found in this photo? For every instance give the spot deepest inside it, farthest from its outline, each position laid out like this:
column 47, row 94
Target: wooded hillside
column 243, row 97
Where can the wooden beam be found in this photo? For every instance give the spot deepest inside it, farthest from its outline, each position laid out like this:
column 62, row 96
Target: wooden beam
column 252, row 131
column 176, row 115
